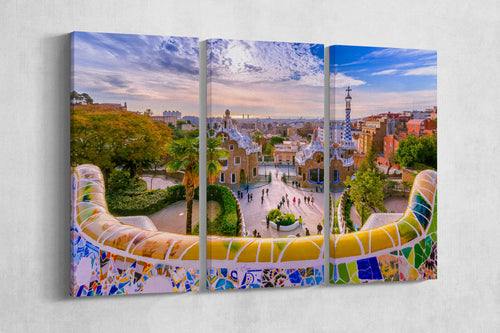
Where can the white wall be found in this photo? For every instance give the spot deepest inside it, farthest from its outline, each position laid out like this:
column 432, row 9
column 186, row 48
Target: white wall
column 34, row 176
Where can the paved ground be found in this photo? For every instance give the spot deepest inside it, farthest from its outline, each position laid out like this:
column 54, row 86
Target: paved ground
column 380, row 219
column 159, row 181
column 255, row 212
column 393, row 205
column 173, row 218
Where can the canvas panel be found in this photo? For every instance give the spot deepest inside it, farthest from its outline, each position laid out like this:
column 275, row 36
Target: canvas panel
column 384, row 158
column 134, row 115
column 265, row 164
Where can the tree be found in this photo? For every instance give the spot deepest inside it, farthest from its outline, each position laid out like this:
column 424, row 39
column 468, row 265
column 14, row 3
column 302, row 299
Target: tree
column 418, row 152
column 370, row 161
column 366, row 189
column 215, row 153
column 87, row 98
column 75, row 97
column 275, row 140
column 258, row 137
column 148, row 112
column 185, row 157
column 109, row 138
column 391, row 158
column 268, row 149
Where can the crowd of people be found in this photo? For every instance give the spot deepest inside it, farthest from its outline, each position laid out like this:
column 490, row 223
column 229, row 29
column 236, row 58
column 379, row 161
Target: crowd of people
column 286, row 199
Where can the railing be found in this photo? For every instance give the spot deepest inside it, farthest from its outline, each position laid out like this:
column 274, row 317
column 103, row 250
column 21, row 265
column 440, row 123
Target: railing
column 109, row 257
column 402, row 250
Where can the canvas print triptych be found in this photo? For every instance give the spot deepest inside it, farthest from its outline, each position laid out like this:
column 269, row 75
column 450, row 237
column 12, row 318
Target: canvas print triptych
column 295, row 195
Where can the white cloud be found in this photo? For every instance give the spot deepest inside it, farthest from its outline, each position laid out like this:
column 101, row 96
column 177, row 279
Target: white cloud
column 392, row 52
column 429, row 70
column 341, row 80
column 235, row 61
column 386, row 72
column 265, row 78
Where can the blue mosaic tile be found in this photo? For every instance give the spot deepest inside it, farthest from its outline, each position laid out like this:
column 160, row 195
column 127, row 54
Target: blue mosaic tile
column 368, row 269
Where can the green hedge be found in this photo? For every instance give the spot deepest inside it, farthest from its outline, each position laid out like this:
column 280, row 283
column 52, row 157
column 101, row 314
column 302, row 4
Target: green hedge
column 227, row 222
column 145, row 203
column 347, row 215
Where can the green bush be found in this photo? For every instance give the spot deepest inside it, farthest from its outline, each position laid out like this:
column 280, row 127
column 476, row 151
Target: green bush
column 287, row 219
column 120, row 181
column 347, row 215
column 274, row 214
column 227, row 222
column 146, row 203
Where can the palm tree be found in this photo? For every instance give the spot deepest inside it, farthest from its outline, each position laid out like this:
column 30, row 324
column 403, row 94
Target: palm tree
column 258, row 137
column 215, row 154
column 185, row 157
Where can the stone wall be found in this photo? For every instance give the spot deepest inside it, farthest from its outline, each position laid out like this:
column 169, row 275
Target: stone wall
column 408, row 175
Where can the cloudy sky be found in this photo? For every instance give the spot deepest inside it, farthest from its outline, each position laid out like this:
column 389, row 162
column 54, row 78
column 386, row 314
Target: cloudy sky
column 264, row 79
column 382, row 79
column 155, row 72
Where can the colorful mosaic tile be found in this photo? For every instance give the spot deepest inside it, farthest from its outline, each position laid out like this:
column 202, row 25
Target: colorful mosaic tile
column 223, row 279
column 408, row 254
column 256, row 263
column 96, row 271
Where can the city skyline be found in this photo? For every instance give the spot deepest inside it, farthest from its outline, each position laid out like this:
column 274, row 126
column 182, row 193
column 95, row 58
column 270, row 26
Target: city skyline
column 382, row 79
column 148, row 72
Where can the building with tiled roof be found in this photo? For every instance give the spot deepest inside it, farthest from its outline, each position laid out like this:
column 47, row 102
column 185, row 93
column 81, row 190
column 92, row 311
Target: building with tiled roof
column 242, row 166
column 310, row 159
column 421, row 127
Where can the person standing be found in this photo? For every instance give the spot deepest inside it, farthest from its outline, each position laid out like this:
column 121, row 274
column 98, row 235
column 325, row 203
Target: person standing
column 262, row 199
column 267, row 221
column 248, row 197
column 262, row 192
column 278, row 222
column 312, row 200
column 288, row 203
column 294, row 201
column 298, row 202
column 300, row 222
column 267, row 191
column 320, row 228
